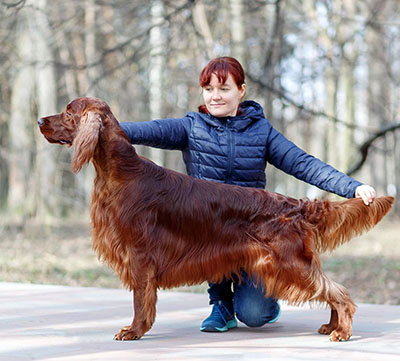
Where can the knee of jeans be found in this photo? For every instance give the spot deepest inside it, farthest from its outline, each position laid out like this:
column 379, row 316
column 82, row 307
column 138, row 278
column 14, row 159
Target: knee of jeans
column 251, row 317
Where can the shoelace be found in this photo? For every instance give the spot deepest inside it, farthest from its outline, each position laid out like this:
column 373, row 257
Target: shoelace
column 220, row 305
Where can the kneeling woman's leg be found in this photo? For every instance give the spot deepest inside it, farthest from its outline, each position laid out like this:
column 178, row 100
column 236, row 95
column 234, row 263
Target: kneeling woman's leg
column 251, row 306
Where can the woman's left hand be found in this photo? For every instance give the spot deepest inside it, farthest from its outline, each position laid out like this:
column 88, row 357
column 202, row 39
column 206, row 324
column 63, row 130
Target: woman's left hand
column 366, row 193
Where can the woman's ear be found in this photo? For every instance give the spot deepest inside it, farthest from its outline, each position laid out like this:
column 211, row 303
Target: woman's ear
column 243, row 90
column 85, row 141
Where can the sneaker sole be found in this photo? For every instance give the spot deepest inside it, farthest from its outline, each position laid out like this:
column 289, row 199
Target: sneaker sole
column 228, row 326
column 277, row 316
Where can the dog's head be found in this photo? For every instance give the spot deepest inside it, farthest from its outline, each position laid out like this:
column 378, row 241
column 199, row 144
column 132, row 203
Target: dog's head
column 78, row 125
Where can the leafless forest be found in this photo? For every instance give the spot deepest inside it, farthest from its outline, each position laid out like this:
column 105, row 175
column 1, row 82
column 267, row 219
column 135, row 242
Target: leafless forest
column 327, row 73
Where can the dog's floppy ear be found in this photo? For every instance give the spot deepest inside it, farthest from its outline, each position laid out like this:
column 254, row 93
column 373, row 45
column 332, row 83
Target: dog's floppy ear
column 85, row 141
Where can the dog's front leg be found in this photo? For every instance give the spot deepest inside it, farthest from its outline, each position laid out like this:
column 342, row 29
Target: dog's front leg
column 144, row 304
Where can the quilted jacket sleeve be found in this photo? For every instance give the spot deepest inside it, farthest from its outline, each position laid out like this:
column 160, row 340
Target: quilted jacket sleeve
column 163, row 133
column 286, row 156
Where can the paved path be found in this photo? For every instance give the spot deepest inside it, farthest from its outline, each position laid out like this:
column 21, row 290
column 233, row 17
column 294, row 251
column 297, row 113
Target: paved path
column 39, row 322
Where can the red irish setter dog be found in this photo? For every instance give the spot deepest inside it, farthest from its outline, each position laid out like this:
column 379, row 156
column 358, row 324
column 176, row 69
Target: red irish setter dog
column 157, row 228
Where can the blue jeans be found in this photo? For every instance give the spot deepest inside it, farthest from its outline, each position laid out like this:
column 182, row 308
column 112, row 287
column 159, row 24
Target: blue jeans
column 249, row 302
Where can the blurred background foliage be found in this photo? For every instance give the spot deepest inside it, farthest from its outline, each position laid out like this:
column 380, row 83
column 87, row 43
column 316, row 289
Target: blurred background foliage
column 327, row 73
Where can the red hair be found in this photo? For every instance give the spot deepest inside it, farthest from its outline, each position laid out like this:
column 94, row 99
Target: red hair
column 221, row 67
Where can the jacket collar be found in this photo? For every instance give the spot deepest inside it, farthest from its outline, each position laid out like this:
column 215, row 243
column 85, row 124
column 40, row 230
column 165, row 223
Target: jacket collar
column 252, row 112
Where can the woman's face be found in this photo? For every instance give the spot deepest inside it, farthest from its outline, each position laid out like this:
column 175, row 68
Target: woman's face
column 222, row 100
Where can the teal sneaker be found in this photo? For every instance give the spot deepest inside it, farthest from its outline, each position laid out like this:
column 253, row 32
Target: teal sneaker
column 221, row 319
column 278, row 309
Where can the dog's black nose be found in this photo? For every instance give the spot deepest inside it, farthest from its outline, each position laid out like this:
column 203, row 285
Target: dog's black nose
column 40, row 122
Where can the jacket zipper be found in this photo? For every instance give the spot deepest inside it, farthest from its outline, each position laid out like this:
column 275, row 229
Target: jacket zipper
column 230, row 153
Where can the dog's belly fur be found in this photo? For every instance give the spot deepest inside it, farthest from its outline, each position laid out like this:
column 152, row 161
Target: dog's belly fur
column 197, row 267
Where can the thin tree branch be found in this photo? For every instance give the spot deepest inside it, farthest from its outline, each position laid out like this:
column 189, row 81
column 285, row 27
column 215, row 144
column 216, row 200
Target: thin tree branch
column 364, row 148
column 302, row 107
column 12, row 4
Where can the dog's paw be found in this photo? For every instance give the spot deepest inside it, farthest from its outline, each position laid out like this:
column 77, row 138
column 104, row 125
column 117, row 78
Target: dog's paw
column 339, row 335
column 326, row 329
column 127, row 334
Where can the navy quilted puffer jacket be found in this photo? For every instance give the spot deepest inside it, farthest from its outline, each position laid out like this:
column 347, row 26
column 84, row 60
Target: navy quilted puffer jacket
column 235, row 150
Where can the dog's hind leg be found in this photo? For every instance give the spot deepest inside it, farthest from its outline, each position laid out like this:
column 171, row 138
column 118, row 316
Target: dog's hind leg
column 342, row 310
column 326, row 329
column 297, row 286
column 144, row 303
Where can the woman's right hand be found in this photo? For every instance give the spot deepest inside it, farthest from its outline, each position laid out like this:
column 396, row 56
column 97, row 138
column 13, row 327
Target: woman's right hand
column 366, row 193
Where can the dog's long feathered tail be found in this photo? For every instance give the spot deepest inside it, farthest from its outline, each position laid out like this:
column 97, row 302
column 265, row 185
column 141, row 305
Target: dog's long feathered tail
column 338, row 222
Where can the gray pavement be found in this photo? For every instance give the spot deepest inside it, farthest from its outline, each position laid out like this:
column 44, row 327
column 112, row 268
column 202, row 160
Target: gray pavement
column 39, row 322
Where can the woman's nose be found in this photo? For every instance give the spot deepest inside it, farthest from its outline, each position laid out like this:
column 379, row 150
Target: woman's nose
column 216, row 94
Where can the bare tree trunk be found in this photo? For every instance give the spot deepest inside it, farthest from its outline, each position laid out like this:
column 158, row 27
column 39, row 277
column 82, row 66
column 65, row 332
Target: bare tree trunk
column 395, row 188
column 377, row 101
column 71, row 90
column 331, row 134
column 271, row 68
column 346, row 32
column 21, row 142
column 90, row 43
column 4, row 136
column 331, row 82
column 202, row 26
column 48, row 173
column 80, row 56
column 237, row 31
column 156, row 70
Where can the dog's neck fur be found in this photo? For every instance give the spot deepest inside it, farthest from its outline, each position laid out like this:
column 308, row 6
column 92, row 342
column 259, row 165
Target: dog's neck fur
column 114, row 155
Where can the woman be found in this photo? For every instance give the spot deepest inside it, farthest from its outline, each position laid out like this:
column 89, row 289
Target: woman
column 231, row 141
